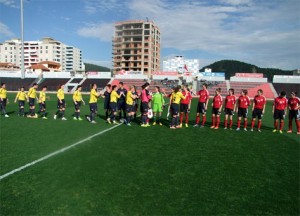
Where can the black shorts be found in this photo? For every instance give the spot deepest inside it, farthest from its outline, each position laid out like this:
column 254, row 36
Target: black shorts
column 130, row 108
column 77, row 105
column 113, row 106
column 215, row 111
column 31, row 101
column 61, row 104
column 257, row 113
column 174, row 109
column 3, row 103
column 121, row 105
column 106, row 105
column 243, row 112
column 144, row 107
column 21, row 103
column 42, row 106
column 93, row 107
column 184, row 108
column 228, row 111
column 294, row 114
column 201, row 108
column 279, row 114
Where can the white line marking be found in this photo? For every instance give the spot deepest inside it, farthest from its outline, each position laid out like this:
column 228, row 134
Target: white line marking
column 56, row 152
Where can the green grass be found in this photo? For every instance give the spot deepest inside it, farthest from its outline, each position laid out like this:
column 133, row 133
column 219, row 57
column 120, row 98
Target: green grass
column 146, row 171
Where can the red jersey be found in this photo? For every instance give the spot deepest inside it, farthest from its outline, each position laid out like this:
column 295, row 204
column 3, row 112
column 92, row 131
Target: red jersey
column 204, row 95
column 230, row 101
column 217, row 101
column 293, row 103
column 259, row 101
column 188, row 97
column 280, row 103
column 244, row 101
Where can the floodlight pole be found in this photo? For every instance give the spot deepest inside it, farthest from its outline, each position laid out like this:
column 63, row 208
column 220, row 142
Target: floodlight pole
column 22, row 42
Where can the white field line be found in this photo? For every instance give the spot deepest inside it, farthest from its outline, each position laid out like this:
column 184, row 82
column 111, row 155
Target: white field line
column 56, row 152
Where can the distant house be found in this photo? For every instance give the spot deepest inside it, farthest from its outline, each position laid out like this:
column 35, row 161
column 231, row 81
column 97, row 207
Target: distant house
column 45, row 66
column 8, row 66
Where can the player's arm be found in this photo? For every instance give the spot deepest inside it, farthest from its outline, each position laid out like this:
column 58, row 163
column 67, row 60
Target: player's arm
column 273, row 107
column 74, row 98
column 237, row 106
column 253, row 104
column 206, row 104
column 220, row 109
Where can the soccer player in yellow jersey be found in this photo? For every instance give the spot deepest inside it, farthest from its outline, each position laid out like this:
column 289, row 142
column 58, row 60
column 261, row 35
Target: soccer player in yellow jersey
column 175, row 98
column 77, row 98
column 3, row 99
column 61, row 104
column 93, row 103
column 130, row 108
column 21, row 97
column 42, row 102
column 31, row 99
column 114, row 96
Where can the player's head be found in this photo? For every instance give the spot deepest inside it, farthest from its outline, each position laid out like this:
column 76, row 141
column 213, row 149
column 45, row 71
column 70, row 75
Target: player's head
column 121, row 84
column 61, row 86
column 218, row 91
column 132, row 88
column 94, row 86
column 34, row 85
column 114, row 87
column 260, row 91
column 293, row 94
column 108, row 86
column 79, row 87
column 244, row 92
column 44, row 88
column 3, row 85
column 231, row 91
column 22, row 88
column 204, row 86
column 282, row 94
column 176, row 89
column 145, row 86
column 157, row 88
column 185, row 88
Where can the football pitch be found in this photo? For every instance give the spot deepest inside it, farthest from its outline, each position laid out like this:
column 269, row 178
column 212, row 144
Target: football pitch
column 107, row 169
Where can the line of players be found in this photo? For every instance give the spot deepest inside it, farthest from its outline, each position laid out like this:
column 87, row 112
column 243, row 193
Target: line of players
column 118, row 99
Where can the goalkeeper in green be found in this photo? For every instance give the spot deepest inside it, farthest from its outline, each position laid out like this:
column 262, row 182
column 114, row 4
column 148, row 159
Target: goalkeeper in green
column 158, row 102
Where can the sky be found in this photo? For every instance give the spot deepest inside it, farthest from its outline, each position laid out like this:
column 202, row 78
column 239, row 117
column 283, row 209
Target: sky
column 264, row 33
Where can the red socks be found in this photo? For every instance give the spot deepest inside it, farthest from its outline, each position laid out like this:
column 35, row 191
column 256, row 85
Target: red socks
column 252, row 123
column 203, row 120
column 225, row 123
column 213, row 120
column 218, row 121
column 276, row 124
column 259, row 125
column 230, row 123
column 181, row 118
column 186, row 118
column 197, row 119
column 281, row 125
column 239, row 123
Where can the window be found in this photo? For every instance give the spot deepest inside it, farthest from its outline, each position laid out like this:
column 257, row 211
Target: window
column 46, row 47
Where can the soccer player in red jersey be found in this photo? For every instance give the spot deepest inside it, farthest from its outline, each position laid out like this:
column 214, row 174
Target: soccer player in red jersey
column 202, row 105
column 230, row 102
column 243, row 104
column 258, row 109
column 216, row 109
column 294, row 112
column 185, row 106
column 279, row 111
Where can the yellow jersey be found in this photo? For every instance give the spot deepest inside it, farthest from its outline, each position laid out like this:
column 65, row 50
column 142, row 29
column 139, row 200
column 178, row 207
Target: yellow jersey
column 129, row 99
column 93, row 96
column 3, row 93
column 176, row 97
column 60, row 94
column 42, row 97
column 21, row 96
column 77, row 96
column 114, row 97
column 32, row 93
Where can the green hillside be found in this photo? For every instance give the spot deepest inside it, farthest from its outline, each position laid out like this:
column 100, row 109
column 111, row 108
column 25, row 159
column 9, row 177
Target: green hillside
column 93, row 67
column 230, row 67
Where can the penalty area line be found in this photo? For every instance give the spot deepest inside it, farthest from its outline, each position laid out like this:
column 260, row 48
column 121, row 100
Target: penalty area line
column 56, row 153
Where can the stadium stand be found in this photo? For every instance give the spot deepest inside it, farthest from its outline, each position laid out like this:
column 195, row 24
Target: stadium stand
column 76, row 80
column 52, row 83
column 13, row 84
column 288, row 87
column 212, row 88
column 252, row 88
column 101, row 83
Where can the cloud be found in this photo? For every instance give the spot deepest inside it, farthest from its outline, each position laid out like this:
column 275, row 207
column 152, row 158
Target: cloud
column 94, row 6
column 9, row 3
column 103, row 31
column 236, row 2
column 4, row 30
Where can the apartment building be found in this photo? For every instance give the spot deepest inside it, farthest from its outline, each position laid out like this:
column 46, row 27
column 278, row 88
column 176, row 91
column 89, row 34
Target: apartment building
column 46, row 49
column 136, row 47
column 181, row 65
